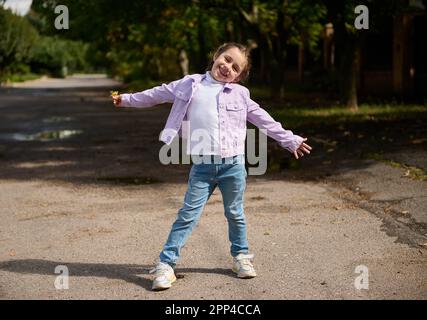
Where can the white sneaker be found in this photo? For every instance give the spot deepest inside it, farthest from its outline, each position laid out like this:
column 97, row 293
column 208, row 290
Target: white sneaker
column 242, row 265
column 164, row 276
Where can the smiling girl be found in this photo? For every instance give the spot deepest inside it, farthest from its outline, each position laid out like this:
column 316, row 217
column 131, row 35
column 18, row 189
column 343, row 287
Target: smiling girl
column 215, row 104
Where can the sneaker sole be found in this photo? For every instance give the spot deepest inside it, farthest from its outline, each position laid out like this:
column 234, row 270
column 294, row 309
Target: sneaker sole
column 161, row 288
column 244, row 276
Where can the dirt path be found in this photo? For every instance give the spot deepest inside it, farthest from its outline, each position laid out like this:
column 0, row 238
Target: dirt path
column 81, row 186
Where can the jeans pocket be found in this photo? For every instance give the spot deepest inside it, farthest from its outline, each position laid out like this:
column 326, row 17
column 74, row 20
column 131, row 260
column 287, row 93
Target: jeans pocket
column 239, row 160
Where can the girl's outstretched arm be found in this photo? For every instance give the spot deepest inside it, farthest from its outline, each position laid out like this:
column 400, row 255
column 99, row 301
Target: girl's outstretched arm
column 150, row 97
column 286, row 138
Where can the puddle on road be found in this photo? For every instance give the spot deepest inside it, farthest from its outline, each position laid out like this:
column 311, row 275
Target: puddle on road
column 41, row 136
column 129, row 180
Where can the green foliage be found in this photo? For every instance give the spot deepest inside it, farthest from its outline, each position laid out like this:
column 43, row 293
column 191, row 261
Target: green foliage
column 22, row 76
column 17, row 37
column 24, row 52
column 142, row 40
column 304, row 22
column 58, row 57
column 145, row 38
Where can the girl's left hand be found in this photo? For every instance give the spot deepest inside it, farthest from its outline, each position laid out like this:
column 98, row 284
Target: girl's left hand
column 301, row 149
column 117, row 100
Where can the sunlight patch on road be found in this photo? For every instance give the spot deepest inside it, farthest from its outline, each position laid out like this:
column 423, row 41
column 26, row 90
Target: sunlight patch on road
column 41, row 136
column 32, row 165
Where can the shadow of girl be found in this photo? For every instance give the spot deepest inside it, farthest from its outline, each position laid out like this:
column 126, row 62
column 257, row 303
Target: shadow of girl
column 130, row 273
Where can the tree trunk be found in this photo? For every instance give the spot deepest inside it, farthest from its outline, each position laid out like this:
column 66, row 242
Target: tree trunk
column 346, row 52
column 183, row 62
column 278, row 79
column 350, row 73
column 351, row 95
column 279, row 59
column 352, row 101
column 301, row 61
column 201, row 63
column 348, row 46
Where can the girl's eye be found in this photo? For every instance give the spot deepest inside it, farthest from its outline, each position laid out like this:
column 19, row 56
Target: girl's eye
column 227, row 59
column 235, row 69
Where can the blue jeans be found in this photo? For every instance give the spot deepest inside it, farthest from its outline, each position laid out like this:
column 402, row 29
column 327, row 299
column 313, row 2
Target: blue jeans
column 229, row 174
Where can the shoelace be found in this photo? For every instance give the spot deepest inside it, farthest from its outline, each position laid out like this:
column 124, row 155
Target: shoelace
column 246, row 260
column 159, row 270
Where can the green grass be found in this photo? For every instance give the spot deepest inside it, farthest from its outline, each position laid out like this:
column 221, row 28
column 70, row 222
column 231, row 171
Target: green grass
column 23, row 77
column 301, row 107
column 299, row 116
column 411, row 172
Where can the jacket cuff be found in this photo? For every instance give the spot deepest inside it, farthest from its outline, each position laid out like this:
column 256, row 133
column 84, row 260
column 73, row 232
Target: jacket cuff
column 294, row 144
column 125, row 100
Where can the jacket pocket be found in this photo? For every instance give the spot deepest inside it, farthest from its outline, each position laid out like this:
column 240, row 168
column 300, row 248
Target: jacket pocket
column 234, row 107
column 236, row 115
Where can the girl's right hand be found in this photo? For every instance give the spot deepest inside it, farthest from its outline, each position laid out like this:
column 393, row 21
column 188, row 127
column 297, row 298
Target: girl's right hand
column 117, row 100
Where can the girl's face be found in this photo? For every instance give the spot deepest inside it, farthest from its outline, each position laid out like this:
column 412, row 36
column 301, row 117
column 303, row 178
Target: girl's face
column 228, row 65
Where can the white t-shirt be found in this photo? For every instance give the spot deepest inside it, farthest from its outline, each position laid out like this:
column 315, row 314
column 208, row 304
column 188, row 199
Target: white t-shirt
column 203, row 119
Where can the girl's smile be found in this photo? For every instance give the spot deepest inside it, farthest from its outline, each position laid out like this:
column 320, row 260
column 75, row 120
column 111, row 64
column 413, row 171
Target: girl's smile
column 224, row 70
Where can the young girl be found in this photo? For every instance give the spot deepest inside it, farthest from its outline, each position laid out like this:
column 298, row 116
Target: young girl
column 215, row 105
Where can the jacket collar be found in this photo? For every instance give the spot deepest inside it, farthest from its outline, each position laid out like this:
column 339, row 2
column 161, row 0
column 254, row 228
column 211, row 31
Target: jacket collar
column 199, row 77
column 229, row 86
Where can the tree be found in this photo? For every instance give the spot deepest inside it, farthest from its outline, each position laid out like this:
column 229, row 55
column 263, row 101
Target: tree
column 17, row 38
column 278, row 24
column 348, row 40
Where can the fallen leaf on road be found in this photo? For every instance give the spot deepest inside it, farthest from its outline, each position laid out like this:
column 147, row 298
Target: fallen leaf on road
column 12, row 253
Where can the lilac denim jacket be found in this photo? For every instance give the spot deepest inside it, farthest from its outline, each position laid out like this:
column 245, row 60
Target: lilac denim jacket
column 235, row 108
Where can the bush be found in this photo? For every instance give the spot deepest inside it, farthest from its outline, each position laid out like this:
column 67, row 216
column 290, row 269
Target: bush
column 17, row 38
column 58, row 57
column 24, row 52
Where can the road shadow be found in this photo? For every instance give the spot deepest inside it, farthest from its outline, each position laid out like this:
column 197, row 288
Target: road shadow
column 77, row 136
column 131, row 273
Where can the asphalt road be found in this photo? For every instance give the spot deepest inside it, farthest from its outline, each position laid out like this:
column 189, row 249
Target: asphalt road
column 81, row 186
